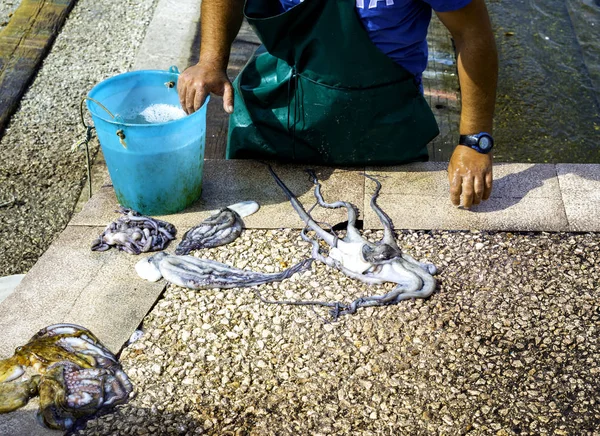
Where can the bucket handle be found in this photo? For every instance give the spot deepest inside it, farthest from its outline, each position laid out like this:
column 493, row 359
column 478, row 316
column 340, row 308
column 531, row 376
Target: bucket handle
column 120, row 133
column 88, row 136
column 95, row 101
column 173, row 70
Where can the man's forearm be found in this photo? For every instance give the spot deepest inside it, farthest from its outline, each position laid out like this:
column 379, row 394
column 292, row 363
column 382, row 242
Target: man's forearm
column 220, row 22
column 477, row 65
column 478, row 75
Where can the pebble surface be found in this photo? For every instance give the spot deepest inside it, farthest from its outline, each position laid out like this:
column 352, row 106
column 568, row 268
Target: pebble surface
column 508, row 345
column 40, row 178
column 7, row 8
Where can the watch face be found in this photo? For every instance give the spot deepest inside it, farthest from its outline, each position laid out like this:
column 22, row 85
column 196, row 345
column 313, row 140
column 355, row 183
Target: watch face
column 485, row 143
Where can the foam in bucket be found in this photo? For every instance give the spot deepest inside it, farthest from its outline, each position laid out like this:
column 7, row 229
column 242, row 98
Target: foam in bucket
column 162, row 113
column 156, row 113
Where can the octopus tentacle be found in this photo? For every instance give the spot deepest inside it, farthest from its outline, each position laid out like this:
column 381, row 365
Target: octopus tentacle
column 308, row 220
column 351, row 230
column 14, row 395
column 10, row 369
column 195, row 273
column 386, row 221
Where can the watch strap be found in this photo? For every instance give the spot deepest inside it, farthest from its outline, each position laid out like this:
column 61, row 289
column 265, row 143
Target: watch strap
column 468, row 140
column 474, row 141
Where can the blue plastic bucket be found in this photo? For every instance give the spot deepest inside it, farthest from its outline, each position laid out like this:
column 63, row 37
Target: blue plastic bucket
column 156, row 168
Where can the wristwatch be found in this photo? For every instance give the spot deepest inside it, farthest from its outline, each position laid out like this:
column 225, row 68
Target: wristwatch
column 481, row 142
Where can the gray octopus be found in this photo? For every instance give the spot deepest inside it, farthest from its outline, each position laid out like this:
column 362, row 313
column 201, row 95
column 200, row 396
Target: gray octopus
column 134, row 233
column 195, row 273
column 219, row 229
column 353, row 255
column 74, row 375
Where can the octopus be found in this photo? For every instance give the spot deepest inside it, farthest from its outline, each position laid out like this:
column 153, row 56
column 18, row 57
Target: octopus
column 73, row 373
column 195, row 273
column 219, row 229
column 134, row 233
column 360, row 259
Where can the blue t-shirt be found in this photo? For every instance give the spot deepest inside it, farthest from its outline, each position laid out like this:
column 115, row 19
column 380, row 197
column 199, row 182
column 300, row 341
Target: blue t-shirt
column 399, row 27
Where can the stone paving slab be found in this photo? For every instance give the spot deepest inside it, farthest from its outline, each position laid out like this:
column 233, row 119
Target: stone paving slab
column 580, row 188
column 227, row 182
column 23, row 422
column 72, row 284
column 169, row 36
column 526, row 197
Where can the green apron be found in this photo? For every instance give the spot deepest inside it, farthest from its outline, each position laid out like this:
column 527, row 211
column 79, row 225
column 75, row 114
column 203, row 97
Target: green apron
column 321, row 92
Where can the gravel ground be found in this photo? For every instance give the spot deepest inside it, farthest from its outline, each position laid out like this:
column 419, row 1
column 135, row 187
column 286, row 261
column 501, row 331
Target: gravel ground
column 40, row 179
column 7, row 7
column 507, row 345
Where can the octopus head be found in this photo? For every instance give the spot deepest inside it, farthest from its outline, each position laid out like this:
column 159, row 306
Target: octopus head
column 380, row 254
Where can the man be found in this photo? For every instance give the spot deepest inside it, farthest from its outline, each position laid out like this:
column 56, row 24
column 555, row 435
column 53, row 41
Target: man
column 338, row 82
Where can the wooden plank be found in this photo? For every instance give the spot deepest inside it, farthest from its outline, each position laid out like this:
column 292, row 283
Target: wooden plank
column 24, row 43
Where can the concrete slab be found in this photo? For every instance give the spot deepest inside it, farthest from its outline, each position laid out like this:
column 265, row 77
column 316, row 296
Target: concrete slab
column 70, row 283
column 519, row 180
column 23, row 422
column 227, row 182
column 170, row 35
column 580, row 190
column 526, row 197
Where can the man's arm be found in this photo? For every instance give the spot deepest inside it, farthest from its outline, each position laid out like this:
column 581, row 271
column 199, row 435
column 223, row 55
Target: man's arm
column 469, row 172
column 220, row 22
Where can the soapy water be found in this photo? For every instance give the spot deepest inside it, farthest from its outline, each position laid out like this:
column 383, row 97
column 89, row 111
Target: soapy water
column 153, row 114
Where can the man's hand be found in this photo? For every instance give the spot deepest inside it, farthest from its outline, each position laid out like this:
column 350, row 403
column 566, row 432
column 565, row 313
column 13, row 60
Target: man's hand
column 198, row 81
column 470, row 172
column 470, row 176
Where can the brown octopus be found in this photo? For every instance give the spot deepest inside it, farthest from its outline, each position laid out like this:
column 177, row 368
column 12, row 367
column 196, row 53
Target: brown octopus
column 72, row 372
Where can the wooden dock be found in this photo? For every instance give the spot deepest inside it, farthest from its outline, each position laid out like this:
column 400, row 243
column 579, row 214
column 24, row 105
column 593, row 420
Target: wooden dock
column 24, row 43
